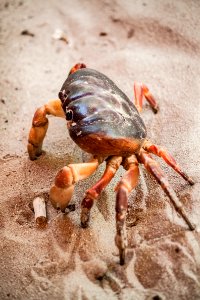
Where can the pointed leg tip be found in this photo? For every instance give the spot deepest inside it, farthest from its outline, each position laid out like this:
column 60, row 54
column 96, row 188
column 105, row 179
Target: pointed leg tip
column 70, row 208
column 122, row 257
column 191, row 181
column 155, row 109
column 85, row 218
column 192, row 226
column 84, row 224
column 33, row 157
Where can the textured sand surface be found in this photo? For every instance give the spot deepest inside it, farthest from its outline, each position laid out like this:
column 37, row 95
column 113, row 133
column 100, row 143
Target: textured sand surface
column 156, row 42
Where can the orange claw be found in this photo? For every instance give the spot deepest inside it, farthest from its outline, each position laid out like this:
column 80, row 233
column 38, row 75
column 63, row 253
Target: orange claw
column 77, row 67
column 61, row 192
column 40, row 126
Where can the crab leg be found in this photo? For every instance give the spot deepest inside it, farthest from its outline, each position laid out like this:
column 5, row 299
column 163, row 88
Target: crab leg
column 61, row 192
column 77, row 67
column 124, row 187
column 93, row 193
column 141, row 90
column 159, row 151
column 40, row 126
column 153, row 167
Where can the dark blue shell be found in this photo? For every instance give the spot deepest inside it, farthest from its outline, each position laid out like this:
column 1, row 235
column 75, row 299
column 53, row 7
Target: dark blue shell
column 100, row 107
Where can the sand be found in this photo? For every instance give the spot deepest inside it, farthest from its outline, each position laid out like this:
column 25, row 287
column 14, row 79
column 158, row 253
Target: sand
column 155, row 42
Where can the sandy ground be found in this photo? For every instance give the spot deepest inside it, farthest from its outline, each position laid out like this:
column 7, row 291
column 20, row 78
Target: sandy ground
column 156, row 42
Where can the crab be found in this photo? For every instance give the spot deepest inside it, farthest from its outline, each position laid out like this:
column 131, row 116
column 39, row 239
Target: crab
column 104, row 122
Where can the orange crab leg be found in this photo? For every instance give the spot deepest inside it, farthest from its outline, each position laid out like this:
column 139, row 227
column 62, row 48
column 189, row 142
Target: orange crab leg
column 40, row 126
column 159, row 151
column 93, row 193
column 153, row 167
column 141, row 90
column 62, row 191
column 77, row 67
column 124, row 187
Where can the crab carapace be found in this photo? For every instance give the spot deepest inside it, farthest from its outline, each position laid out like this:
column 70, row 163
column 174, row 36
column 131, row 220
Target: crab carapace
column 103, row 121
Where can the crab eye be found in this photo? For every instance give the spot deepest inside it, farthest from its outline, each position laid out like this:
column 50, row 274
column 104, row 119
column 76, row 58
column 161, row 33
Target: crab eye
column 69, row 115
